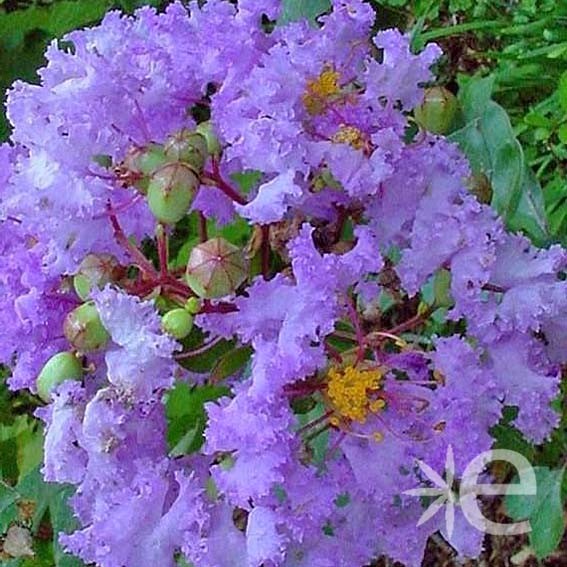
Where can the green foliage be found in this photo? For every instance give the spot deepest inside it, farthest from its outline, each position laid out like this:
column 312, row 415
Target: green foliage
column 488, row 140
column 293, row 10
column 509, row 60
column 544, row 510
column 25, row 34
column 186, row 417
column 31, row 503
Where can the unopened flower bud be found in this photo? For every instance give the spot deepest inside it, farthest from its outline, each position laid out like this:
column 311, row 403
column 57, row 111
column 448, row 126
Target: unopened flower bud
column 60, row 367
column 187, row 147
column 177, row 323
column 96, row 270
column 193, row 305
column 170, row 192
column 145, row 160
column 139, row 164
column 84, row 329
column 213, row 144
column 437, row 111
column 216, row 268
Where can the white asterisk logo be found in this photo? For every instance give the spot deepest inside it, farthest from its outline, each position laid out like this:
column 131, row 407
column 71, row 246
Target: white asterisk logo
column 442, row 492
column 469, row 490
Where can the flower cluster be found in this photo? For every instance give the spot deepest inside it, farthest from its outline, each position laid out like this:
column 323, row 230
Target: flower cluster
column 157, row 130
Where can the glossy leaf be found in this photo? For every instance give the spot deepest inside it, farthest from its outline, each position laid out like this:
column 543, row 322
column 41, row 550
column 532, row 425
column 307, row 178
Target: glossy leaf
column 186, row 416
column 488, row 140
column 293, row 10
column 544, row 510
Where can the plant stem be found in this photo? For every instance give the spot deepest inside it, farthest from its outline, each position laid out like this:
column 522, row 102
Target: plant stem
column 136, row 254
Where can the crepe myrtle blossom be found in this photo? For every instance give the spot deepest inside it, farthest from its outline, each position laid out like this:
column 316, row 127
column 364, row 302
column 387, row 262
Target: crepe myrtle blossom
column 217, row 237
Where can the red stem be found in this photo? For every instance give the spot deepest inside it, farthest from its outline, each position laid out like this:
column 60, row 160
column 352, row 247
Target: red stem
column 358, row 330
column 315, row 422
column 216, row 178
column 333, row 352
column 409, row 324
column 137, row 256
column 203, row 231
column 177, row 286
column 205, row 347
column 222, row 307
column 163, row 252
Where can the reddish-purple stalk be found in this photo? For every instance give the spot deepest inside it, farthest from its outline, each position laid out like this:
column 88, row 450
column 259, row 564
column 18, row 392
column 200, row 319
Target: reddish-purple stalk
column 315, row 422
column 360, row 338
column 163, row 251
column 203, row 231
column 217, row 180
column 135, row 254
column 222, row 307
column 196, row 352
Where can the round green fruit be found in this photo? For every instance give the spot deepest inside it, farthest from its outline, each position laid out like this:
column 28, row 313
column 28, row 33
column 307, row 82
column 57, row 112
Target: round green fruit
column 60, row 367
column 171, row 191
column 188, row 147
column 213, row 144
column 438, row 110
column 84, row 329
column 95, row 271
column 193, row 305
column 177, row 323
column 216, row 268
column 145, row 161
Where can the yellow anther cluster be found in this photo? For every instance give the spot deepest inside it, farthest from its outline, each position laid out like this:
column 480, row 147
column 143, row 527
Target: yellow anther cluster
column 319, row 90
column 349, row 135
column 349, row 390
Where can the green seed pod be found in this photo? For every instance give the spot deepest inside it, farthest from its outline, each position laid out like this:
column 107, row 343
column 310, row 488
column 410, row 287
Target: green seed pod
column 84, row 330
column 177, row 323
column 146, row 160
column 438, row 110
column 216, row 268
column 193, row 305
column 140, row 163
column 60, row 367
column 170, row 192
column 187, row 147
column 95, row 271
column 213, row 144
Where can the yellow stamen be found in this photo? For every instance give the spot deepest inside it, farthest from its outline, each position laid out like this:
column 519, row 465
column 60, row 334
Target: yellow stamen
column 349, row 390
column 351, row 136
column 320, row 90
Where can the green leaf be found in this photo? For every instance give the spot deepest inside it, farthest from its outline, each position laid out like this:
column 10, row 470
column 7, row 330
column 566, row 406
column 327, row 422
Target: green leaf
column 488, row 140
column 293, row 10
column 475, row 95
column 530, row 214
column 62, row 520
column 508, row 437
column 319, row 442
column 562, row 133
column 544, row 510
column 55, row 20
column 8, row 510
column 186, row 416
column 30, row 448
column 205, row 361
column 562, row 91
column 230, row 363
column 50, row 500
